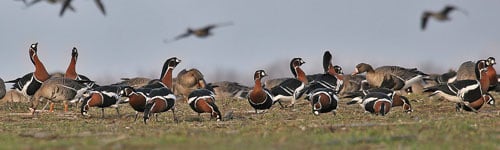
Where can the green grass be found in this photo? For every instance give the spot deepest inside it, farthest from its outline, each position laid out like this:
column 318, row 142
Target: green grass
column 434, row 124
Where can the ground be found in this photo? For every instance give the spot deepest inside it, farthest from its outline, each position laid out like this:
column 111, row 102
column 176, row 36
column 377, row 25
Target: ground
column 433, row 124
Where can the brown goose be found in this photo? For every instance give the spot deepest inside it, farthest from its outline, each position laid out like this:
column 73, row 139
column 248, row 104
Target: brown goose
column 200, row 32
column 391, row 77
column 59, row 90
column 187, row 81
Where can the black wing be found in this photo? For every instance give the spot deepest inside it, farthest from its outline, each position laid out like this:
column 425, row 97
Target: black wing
column 100, row 6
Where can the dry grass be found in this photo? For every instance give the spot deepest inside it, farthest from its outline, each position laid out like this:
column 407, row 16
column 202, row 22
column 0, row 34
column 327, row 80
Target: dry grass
column 433, row 124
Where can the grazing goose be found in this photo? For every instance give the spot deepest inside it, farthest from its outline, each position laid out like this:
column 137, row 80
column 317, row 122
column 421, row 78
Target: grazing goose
column 200, row 32
column 323, row 100
column 291, row 88
column 187, row 81
column 102, row 97
column 259, row 97
column 59, row 90
column 2, row 88
column 443, row 15
column 332, row 77
column 491, row 73
column 159, row 100
column 31, row 82
column 374, row 102
column 396, row 98
column 392, row 77
column 466, row 92
column 136, row 98
column 203, row 101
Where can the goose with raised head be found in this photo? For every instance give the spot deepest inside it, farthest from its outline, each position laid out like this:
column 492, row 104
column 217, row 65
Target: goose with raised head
column 259, row 97
column 31, row 82
column 292, row 88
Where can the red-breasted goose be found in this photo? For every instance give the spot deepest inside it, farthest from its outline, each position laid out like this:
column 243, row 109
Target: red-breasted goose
column 392, row 77
column 491, row 73
column 374, row 102
column 102, row 97
column 31, row 82
column 166, row 74
column 396, row 98
column 291, row 88
column 443, row 15
column 259, row 97
column 323, row 100
column 159, row 100
column 203, row 101
column 465, row 92
column 331, row 78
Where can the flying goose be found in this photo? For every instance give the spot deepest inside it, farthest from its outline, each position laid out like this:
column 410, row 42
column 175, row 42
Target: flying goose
column 199, row 32
column 443, row 15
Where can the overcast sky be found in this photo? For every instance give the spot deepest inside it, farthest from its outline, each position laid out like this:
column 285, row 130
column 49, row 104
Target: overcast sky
column 267, row 34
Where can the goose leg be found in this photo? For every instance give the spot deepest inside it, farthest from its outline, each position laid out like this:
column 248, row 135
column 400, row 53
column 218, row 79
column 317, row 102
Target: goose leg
column 117, row 112
column 51, row 109
column 175, row 117
column 136, row 115
column 102, row 112
column 65, row 103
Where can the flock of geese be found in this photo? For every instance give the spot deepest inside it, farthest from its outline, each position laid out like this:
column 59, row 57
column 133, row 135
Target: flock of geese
column 376, row 92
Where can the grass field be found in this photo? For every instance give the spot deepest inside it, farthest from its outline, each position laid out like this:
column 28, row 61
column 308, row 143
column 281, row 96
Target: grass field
column 433, row 124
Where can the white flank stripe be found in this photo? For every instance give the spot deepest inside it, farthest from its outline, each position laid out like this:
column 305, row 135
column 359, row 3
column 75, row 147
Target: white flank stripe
column 412, row 81
column 461, row 93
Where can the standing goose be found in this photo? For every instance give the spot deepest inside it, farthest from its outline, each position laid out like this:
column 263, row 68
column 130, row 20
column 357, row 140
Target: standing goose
column 71, row 70
column 491, row 73
column 469, row 93
column 166, row 74
column 331, row 78
column 396, row 98
column 31, row 82
column 323, row 100
column 392, row 77
column 59, row 90
column 203, row 101
column 159, row 100
column 443, row 15
column 138, row 97
column 466, row 71
column 259, row 97
column 291, row 88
